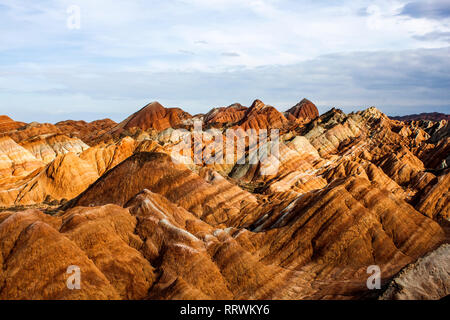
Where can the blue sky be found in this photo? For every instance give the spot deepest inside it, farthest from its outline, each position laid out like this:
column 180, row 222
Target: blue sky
column 200, row 54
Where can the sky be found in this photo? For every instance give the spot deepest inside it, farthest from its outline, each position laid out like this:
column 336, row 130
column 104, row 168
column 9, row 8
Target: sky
column 84, row 59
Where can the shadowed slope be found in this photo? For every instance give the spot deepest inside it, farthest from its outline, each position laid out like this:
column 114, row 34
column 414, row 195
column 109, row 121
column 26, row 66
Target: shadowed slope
column 158, row 173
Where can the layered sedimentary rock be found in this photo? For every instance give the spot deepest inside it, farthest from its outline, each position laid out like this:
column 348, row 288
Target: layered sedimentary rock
column 262, row 116
column 85, row 131
column 158, row 173
column 69, row 171
column 231, row 114
column 434, row 201
column 436, row 153
column 31, row 130
column 302, row 217
column 156, row 249
column 15, row 160
column 64, row 178
column 153, row 116
column 46, row 148
column 115, row 251
column 7, row 124
column 433, row 116
column 106, row 156
column 328, row 132
column 31, row 241
column 305, row 110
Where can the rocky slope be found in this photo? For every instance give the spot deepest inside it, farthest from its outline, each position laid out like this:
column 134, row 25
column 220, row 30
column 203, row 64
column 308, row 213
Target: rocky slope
column 305, row 110
column 7, row 124
column 220, row 116
column 85, row 131
column 428, row 278
column 344, row 192
column 153, row 116
column 15, row 160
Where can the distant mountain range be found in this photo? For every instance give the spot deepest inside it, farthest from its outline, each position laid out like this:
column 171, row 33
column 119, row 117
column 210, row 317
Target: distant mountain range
column 433, row 116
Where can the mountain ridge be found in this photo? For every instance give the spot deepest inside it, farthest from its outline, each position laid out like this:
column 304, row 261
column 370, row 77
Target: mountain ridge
column 349, row 191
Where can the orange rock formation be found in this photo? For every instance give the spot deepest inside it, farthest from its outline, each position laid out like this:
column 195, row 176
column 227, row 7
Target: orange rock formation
column 350, row 191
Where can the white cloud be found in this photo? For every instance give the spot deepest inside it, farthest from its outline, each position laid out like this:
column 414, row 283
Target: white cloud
column 396, row 82
column 219, row 40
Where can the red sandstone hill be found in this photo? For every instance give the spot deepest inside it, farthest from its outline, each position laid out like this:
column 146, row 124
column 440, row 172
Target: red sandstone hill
column 231, row 114
column 258, row 116
column 8, row 124
column 262, row 116
column 86, row 131
column 305, row 110
column 150, row 120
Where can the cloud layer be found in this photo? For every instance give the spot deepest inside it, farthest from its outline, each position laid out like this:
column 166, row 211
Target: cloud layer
column 434, row 9
column 199, row 54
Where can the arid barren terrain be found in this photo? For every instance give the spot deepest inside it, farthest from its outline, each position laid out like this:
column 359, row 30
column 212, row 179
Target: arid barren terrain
column 138, row 221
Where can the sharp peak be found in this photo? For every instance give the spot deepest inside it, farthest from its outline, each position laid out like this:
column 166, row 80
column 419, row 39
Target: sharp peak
column 153, row 104
column 157, row 105
column 302, row 103
column 148, row 107
column 372, row 112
